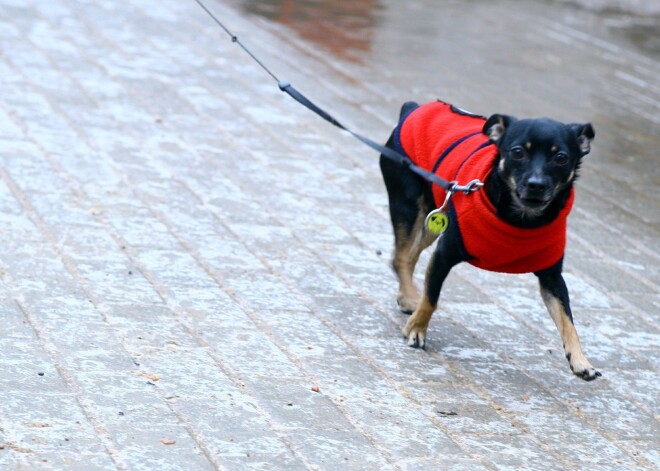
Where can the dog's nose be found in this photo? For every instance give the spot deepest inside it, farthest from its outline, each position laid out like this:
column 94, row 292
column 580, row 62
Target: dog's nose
column 537, row 185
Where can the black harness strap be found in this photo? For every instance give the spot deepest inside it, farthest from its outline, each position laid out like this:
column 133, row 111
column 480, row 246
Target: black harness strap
column 485, row 144
column 451, row 148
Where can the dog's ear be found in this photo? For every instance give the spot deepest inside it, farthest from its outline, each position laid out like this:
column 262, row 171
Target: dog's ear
column 585, row 134
column 496, row 125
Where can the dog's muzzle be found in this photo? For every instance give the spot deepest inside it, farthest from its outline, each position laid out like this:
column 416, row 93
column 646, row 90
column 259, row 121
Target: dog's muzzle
column 535, row 193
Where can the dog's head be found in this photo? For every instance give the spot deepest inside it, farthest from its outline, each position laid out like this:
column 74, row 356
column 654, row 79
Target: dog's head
column 538, row 158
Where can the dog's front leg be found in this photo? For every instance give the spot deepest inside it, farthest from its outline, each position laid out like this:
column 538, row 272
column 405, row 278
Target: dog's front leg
column 443, row 259
column 555, row 297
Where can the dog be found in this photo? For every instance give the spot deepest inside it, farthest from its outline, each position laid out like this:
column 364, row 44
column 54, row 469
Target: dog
column 515, row 223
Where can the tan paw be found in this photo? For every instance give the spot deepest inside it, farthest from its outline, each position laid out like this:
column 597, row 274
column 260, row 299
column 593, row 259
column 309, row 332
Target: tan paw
column 415, row 334
column 407, row 304
column 582, row 368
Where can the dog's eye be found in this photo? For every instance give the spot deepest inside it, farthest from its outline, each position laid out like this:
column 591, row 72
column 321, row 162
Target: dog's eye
column 561, row 158
column 517, row 153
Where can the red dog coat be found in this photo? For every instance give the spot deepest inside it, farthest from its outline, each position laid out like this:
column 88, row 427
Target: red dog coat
column 450, row 142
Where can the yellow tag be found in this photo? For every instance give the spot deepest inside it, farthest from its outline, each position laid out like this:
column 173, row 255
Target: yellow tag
column 437, row 221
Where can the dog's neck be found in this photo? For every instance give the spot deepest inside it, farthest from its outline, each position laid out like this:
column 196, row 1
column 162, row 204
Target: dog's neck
column 515, row 214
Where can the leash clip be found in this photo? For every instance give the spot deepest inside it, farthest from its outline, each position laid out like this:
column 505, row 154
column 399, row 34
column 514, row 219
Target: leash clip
column 437, row 220
column 450, row 192
column 471, row 187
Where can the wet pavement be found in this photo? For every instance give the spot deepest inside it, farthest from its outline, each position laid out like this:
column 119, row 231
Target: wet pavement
column 195, row 271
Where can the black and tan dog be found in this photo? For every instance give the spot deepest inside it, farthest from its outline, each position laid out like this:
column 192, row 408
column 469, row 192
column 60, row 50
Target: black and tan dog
column 516, row 223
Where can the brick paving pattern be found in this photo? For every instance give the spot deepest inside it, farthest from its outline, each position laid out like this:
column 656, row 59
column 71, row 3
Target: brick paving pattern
column 195, row 269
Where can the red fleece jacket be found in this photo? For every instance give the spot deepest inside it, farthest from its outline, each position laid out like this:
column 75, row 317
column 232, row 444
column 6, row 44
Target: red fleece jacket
column 439, row 137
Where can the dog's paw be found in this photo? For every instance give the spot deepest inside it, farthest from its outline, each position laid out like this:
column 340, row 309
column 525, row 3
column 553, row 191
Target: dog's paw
column 582, row 368
column 588, row 374
column 416, row 336
column 407, row 305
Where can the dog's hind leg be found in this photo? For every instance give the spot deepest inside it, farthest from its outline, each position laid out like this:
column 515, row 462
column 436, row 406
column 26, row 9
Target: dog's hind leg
column 555, row 297
column 406, row 193
column 410, row 241
column 410, row 200
column 445, row 256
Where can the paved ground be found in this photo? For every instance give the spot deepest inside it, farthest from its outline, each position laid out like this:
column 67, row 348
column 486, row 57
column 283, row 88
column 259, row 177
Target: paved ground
column 195, row 268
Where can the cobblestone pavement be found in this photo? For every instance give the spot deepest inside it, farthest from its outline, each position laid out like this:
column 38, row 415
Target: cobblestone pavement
column 195, row 269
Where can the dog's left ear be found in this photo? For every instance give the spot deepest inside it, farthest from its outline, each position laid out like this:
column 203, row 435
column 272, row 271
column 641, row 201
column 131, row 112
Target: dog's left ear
column 585, row 134
column 496, row 125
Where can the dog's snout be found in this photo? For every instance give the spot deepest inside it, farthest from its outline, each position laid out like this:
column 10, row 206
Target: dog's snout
column 537, row 185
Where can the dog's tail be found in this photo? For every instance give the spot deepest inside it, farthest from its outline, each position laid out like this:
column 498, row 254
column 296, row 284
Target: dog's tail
column 407, row 108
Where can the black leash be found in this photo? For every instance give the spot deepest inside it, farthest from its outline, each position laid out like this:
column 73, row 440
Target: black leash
column 286, row 87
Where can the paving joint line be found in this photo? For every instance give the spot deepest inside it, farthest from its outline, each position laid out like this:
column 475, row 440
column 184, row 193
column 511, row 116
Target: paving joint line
column 52, row 350
column 70, row 266
column 165, row 297
column 257, row 320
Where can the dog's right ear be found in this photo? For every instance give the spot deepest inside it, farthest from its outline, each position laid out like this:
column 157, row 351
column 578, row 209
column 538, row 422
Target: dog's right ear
column 496, row 125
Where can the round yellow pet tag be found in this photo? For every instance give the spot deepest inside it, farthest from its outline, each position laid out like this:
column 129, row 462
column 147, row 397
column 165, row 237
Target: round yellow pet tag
column 437, row 221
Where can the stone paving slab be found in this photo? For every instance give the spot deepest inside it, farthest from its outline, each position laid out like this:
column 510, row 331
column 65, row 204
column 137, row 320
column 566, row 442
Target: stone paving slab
column 195, row 271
